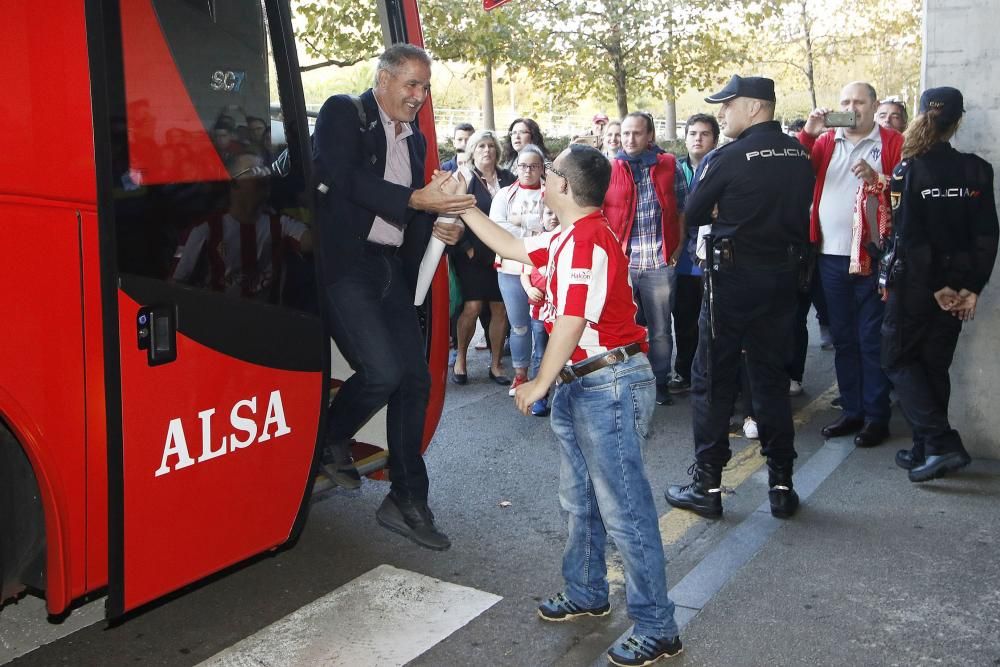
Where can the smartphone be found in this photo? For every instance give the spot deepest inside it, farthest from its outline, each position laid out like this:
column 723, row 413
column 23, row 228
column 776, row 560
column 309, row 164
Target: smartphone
column 588, row 139
column 841, row 119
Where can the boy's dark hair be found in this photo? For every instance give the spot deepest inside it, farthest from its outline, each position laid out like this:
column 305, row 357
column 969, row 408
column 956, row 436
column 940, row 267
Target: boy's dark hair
column 463, row 127
column 703, row 118
column 588, row 173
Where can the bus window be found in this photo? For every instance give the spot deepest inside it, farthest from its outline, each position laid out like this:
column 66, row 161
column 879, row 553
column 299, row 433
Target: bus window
column 196, row 200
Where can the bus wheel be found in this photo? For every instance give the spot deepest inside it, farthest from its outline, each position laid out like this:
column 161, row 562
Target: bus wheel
column 22, row 522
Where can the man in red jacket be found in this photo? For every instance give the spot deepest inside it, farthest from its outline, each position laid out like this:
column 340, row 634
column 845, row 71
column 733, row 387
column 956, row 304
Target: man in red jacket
column 853, row 164
column 644, row 207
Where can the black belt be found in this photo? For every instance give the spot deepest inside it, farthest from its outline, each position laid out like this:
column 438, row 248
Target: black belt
column 373, row 248
column 609, row 358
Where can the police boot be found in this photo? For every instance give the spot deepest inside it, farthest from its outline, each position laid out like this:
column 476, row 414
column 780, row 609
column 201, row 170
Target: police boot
column 703, row 495
column 784, row 500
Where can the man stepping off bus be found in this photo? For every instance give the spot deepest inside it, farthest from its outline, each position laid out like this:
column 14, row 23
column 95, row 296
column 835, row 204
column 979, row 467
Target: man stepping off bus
column 373, row 231
column 601, row 408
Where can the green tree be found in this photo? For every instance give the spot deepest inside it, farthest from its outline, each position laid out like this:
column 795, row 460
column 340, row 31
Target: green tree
column 344, row 33
column 460, row 30
column 338, row 34
column 876, row 40
column 618, row 49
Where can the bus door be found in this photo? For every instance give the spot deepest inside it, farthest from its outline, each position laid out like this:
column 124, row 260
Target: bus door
column 216, row 358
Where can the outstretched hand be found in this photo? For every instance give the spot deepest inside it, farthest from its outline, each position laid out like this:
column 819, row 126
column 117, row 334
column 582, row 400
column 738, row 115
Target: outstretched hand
column 441, row 195
column 450, row 182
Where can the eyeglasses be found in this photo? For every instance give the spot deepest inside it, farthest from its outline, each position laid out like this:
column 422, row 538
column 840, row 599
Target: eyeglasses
column 531, row 167
column 894, row 100
column 549, row 166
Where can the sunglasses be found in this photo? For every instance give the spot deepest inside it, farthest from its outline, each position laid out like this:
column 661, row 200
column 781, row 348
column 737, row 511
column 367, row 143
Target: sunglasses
column 894, row 100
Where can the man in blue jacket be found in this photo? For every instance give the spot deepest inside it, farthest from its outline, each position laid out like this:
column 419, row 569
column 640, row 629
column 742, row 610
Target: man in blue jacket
column 375, row 219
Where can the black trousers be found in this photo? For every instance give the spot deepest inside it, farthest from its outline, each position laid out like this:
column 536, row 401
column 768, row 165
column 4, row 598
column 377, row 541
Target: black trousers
column 754, row 310
column 687, row 306
column 918, row 345
column 814, row 297
column 372, row 319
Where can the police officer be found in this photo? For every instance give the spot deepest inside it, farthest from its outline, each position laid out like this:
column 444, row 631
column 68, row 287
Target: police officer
column 762, row 185
column 945, row 242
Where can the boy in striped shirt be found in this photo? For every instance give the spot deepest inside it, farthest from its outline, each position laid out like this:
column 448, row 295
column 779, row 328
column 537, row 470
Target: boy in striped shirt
column 601, row 408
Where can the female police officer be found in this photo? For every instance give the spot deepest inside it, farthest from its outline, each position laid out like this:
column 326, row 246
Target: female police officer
column 945, row 243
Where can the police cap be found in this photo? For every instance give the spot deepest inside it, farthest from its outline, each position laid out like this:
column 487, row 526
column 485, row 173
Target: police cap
column 757, row 87
column 946, row 101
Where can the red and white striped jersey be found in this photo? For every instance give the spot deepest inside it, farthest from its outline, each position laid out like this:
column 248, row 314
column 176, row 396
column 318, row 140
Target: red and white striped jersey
column 587, row 276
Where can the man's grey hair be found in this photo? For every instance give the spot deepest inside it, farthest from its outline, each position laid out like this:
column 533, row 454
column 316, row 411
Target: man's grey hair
column 397, row 54
column 869, row 87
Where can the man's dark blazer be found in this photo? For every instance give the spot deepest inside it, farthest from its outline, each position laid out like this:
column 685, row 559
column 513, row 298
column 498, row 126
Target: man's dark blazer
column 351, row 162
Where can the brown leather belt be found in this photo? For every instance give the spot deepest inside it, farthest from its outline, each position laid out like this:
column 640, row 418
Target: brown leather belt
column 610, row 358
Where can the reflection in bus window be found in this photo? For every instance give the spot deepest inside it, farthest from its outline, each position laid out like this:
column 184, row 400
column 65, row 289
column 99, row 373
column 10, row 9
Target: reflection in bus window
column 241, row 251
column 194, row 201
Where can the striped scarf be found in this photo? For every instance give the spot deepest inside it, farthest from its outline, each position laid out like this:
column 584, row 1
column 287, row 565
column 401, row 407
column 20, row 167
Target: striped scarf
column 861, row 260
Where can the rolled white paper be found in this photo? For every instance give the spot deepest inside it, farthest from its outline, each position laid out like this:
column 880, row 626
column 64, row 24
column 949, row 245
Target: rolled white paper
column 428, row 267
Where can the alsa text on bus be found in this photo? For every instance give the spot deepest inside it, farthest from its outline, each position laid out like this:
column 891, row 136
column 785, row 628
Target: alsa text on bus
column 242, row 417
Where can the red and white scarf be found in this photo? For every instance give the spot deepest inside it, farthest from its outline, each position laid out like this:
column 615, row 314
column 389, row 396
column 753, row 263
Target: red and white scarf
column 861, row 261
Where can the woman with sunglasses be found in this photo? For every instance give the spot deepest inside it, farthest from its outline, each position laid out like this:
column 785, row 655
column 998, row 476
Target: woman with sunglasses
column 473, row 261
column 518, row 209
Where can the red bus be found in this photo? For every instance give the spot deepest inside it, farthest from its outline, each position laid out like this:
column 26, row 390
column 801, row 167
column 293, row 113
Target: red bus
column 158, row 425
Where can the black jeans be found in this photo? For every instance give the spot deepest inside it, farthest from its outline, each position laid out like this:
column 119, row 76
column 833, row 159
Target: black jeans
column 918, row 344
column 372, row 319
column 687, row 305
column 754, row 310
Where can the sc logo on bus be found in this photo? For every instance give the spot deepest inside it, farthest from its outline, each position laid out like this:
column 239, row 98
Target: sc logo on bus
column 227, row 81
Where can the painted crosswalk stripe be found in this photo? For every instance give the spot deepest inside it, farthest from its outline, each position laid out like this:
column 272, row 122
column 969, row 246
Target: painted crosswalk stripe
column 387, row 616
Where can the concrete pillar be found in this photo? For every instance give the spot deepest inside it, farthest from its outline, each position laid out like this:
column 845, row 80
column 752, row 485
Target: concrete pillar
column 961, row 49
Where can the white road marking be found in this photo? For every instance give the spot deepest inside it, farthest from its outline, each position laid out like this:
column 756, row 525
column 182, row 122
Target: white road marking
column 23, row 626
column 387, row 616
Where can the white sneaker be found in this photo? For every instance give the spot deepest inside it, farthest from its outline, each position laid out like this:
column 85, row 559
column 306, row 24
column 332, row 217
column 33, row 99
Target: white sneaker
column 750, row 429
column 794, row 388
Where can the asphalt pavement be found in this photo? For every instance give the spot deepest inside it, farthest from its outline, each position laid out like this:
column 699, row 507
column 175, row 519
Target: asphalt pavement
column 873, row 570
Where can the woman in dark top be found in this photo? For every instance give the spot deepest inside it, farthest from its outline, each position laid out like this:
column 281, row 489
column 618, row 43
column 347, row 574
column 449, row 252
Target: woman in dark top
column 473, row 260
column 522, row 132
column 945, row 235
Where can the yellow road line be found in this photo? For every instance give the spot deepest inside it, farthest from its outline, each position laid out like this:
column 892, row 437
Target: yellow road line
column 677, row 522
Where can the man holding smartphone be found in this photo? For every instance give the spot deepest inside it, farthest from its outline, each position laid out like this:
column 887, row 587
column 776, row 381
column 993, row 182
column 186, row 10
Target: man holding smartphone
column 852, row 160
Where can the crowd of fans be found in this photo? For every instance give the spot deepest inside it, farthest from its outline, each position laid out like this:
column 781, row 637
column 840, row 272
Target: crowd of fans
column 645, row 206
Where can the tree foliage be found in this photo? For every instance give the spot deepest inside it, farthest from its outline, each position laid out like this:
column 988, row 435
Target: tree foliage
column 617, row 49
column 878, row 39
column 337, row 33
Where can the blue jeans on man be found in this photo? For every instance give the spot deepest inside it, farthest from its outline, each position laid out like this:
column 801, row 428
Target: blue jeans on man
column 601, row 421
column 653, row 291
column 856, row 310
